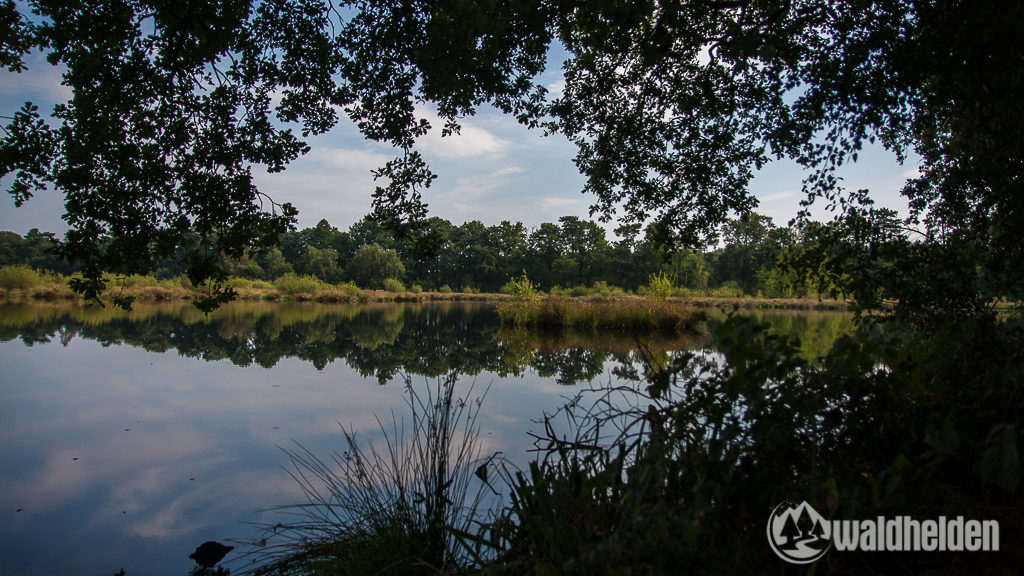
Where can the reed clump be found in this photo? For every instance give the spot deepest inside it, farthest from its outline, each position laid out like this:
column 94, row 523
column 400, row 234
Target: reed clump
column 633, row 314
column 412, row 506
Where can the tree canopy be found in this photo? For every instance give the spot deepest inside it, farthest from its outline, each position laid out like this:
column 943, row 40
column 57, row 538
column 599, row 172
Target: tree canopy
column 672, row 105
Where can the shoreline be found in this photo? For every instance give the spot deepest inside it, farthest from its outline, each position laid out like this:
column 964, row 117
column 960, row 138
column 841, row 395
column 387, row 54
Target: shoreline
column 347, row 293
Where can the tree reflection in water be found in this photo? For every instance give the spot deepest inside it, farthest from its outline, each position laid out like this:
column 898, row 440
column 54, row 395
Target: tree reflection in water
column 378, row 340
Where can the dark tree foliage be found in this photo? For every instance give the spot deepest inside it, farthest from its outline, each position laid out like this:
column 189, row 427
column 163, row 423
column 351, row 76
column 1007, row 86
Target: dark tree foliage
column 174, row 103
column 672, row 112
column 35, row 249
column 673, row 106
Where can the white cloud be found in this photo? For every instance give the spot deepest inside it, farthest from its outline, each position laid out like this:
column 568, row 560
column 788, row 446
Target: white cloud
column 554, row 204
column 331, row 183
column 471, row 141
column 704, row 55
column 478, row 186
column 334, row 160
column 506, row 171
column 777, row 196
column 463, row 209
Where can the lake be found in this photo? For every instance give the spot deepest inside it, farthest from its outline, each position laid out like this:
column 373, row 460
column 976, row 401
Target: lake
column 130, row 438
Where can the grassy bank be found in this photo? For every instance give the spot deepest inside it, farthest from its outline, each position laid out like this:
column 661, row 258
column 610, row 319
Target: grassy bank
column 23, row 283
column 589, row 308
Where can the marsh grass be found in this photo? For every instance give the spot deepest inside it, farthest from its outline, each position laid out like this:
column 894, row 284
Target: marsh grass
column 599, row 289
column 411, row 506
column 634, row 314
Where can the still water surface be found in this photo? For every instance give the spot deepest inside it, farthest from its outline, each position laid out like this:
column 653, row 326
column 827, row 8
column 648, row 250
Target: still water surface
column 128, row 439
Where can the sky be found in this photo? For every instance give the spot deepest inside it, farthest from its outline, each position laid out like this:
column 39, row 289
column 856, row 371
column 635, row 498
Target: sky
column 494, row 170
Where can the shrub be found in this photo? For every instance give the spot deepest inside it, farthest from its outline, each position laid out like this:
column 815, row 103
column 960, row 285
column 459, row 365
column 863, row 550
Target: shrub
column 602, row 288
column 579, row 291
column 291, row 283
column 660, row 286
column 19, row 278
column 239, row 283
column 134, row 280
column 729, row 289
column 520, row 310
column 350, row 290
column 682, row 292
column 393, row 285
column 446, row 289
column 252, row 289
column 520, row 288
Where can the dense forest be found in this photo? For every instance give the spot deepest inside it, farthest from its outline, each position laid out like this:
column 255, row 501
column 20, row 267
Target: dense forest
column 568, row 255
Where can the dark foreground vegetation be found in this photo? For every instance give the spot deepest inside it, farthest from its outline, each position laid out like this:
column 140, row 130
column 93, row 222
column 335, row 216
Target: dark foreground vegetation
column 685, row 468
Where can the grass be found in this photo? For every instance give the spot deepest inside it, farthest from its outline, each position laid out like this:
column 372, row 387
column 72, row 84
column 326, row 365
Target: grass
column 599, row 289
column 404, row 508
column 751, row 303
column 632, row 313
column 24, row 283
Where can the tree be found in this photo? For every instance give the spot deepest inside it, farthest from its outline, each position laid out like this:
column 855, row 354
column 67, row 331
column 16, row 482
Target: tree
column 752, row 246
column 545, row 249
column 246, row 266
column 274, row 264
column 10, row 248
column 428, row 266
column 511, row 242
column 372, row 265
column 691, row 269
column 171, row 109
column 323, row 235
column 322, row 263
column 582, row 240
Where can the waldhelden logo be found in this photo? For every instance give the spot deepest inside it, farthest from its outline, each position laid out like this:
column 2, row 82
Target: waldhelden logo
column 798, row 534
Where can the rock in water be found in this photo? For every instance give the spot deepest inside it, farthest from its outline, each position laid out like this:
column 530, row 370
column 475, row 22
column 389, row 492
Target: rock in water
column 209, row 553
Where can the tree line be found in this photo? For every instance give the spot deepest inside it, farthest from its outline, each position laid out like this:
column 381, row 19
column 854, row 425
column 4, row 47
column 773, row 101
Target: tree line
column 570, row 254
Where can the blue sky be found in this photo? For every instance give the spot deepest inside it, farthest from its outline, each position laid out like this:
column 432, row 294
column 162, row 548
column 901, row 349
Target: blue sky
column 494, row 170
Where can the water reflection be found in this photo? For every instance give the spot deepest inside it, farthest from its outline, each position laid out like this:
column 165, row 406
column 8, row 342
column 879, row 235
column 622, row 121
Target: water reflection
column 378, row 341
column 128, row 439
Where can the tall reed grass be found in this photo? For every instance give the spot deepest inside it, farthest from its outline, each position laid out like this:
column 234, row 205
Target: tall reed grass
column 630, row 314
column 411, row 506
